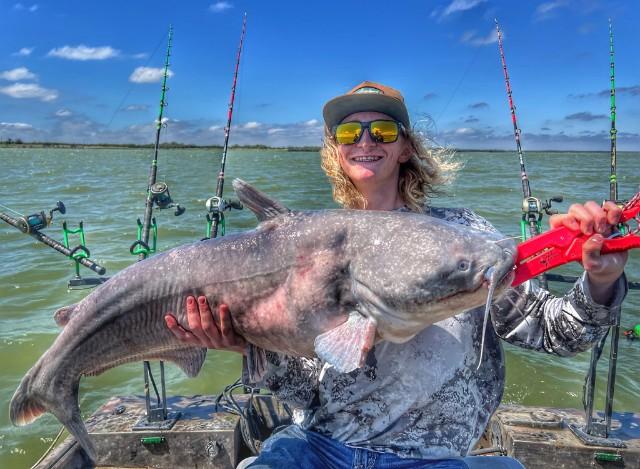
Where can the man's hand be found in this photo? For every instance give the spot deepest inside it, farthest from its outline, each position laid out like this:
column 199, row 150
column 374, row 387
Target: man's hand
column 206, row 329
column 591, row 219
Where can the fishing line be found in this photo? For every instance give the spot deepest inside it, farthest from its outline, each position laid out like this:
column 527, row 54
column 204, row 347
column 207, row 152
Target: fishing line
column 55, row 440
column 119, row 107
column 462, row 78
column 11, row 210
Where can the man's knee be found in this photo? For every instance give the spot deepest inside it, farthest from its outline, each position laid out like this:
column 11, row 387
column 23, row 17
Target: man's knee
column 287, row 448
column 492, row 462
column 245, row 462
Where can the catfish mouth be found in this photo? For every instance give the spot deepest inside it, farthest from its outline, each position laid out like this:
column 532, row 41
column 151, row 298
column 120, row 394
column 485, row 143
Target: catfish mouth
column 504, row 280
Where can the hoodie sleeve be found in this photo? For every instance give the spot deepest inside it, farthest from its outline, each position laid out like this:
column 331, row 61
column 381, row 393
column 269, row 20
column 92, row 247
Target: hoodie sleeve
column 531, row 317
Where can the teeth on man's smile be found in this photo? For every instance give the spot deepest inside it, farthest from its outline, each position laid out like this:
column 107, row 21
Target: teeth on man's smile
column 364, row 159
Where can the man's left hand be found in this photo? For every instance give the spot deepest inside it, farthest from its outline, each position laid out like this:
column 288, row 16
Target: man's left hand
column 597, row 222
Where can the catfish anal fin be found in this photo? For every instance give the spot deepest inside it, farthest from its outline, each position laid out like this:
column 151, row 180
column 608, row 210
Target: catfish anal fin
column 189, row 360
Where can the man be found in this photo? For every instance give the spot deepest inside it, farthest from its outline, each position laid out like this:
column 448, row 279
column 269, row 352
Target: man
column 424, row 403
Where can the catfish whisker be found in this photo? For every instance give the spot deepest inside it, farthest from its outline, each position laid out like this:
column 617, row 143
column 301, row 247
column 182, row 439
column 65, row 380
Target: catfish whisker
column 492, row 273
column 519, row 238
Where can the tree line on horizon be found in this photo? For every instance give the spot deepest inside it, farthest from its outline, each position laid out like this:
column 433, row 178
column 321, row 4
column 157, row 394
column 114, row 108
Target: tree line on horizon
column 164, row 145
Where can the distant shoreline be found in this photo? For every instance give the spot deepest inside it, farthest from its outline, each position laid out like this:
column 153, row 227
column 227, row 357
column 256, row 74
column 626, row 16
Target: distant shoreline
column 133, row 146
column 186, row 146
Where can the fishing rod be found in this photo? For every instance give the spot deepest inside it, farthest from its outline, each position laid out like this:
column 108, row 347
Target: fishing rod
column 32, row 224
column 532, row 208
column 613, row 195
column 594, row 433
column 216, row 205
column 592, row 428
column 613, row 178
column 157, row 195
column 157, row 192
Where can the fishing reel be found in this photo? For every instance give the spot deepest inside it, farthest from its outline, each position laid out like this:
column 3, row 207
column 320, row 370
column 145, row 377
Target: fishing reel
column 37, row 221
column 218, row 205
column 533, row 208
column 633, row 333
column 162, row 198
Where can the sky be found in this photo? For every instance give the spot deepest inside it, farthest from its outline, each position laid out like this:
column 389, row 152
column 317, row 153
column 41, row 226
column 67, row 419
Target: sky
column 89, row 71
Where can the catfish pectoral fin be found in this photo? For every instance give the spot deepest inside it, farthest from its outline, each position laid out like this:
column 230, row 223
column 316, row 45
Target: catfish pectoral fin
column 346, row 346
column 256, row 362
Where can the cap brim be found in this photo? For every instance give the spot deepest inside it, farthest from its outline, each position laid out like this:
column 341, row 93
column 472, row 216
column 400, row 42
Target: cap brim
column 342, row 106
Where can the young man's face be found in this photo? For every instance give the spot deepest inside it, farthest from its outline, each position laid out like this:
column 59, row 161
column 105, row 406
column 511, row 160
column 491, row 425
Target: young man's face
column 368, row 162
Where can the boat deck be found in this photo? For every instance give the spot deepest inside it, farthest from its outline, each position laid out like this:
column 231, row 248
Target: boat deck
column 205, row 436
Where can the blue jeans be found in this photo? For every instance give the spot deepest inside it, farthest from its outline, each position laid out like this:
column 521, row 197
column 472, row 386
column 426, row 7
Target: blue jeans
column 294, row 447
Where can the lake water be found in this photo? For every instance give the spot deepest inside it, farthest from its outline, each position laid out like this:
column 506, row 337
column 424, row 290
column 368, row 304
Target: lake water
column 106, row 189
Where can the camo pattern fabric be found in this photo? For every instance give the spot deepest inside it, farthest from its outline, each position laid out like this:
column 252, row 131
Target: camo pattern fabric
column 424, row 398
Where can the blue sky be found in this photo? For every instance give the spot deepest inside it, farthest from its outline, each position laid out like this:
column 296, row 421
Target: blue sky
column 73, row 71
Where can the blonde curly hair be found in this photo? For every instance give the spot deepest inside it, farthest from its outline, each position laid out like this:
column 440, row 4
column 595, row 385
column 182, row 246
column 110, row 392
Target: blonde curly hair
column 428, row 168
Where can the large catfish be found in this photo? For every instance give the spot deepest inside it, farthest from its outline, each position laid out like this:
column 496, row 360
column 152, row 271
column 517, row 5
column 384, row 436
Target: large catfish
column 326, row 283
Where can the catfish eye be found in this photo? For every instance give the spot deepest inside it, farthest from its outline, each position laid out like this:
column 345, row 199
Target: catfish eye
column 463, row 265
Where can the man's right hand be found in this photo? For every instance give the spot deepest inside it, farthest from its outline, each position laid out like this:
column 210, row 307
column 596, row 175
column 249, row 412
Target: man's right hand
column 206, row 329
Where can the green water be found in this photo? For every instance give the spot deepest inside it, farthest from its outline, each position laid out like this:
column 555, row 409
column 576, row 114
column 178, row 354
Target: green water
column 105, row 188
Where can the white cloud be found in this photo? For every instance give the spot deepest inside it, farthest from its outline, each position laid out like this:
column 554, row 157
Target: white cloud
column 83, row 52
column 29, row 90
column 213, row 128
column 136, row 107
column 20, row 73
column 311, row 122
column 460, row 5
column 545, row 8
column 63, row 113
column 251, row 125
column 275, row 131
column 464, row 131
column 141, row 55
column 148, row 75
column 220, row 6
column 15, row 126
column 21, row 6
column 548, row 9
column 470, row 37
column 24, row 52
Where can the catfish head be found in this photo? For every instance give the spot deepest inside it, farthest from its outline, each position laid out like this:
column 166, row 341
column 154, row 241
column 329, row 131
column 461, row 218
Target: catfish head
column 419, row 270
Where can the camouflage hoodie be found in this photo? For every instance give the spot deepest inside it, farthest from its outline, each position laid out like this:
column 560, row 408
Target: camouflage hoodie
column 425, row 398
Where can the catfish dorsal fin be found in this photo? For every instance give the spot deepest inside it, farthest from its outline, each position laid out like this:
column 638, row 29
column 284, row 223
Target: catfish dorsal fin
column 64, row 314
column 258, row 202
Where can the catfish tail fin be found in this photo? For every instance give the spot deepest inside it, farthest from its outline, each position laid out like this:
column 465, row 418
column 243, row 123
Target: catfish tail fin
column 25, row 404
column 29, row 402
